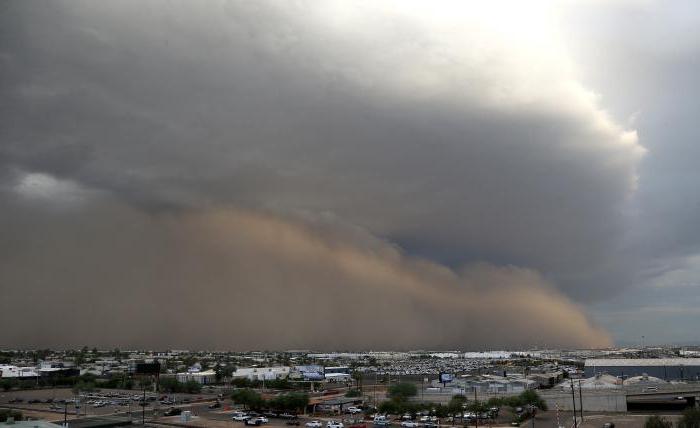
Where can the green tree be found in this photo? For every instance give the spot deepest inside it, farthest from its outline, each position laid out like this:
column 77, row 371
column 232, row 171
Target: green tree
column 390, row 407
column 293, row 401
column 83, row 386
column 353, row 392
column 532, row 398
column 456, row 404
column 192, row 387
column 218, row 371
column 358, row 377
column 248, row 398
column 477, row 406
column 402, row 391
column 690, row 419
column 6, row 413
column 145, row 383
column 169, row 385
column 8, row 383
column 657, row 422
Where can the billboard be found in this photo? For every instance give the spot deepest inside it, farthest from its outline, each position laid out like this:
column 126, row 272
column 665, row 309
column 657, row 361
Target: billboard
column 147, row 368
column 446, row 377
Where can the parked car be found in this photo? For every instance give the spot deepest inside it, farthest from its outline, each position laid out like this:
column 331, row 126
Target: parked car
column 409, row 424
column 609, row 425
column 294, row 422
column 287, row 416
column 381, row 421
column 353, row 410
column 314, row 424
column 253, row 422
column 240, row 416
column 334, row 424
column 173, row 411
column 215, row 405
column 430, row 425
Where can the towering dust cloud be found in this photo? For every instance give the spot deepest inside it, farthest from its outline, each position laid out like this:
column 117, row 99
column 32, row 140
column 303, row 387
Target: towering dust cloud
column 239, row 280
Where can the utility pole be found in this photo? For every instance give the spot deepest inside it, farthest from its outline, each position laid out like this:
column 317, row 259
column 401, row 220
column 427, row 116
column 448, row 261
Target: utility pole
column 476, row 408
column 573, row 401
column 65, row 414
column 143, row 406
column 374, row 389
column 580, row 399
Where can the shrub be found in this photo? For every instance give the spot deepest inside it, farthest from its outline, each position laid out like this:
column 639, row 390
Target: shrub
column 657, row 422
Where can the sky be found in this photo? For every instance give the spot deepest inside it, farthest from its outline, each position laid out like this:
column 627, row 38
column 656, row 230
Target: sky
column 349, row 174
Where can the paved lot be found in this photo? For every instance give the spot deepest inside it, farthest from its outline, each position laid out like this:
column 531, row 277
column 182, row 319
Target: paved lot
column 627, row 420
column 55, row 411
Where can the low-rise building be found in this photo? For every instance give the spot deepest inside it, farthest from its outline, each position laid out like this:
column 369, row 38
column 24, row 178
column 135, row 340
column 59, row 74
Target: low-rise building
column 205, row 377
column 262, row 373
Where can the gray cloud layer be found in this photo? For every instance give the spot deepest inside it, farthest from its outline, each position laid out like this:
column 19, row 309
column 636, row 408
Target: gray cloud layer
column 462, row 139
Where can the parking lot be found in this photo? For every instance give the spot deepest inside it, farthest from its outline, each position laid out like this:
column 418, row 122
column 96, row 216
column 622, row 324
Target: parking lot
column 549, row 419
column 50, row 404
column 54, row 404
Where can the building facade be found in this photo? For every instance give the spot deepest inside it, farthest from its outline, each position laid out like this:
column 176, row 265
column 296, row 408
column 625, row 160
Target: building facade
column 662, row 368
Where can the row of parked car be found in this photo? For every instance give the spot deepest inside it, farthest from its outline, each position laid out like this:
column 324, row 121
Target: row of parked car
column 255, row 419
column 330, row 424
column 432, row 421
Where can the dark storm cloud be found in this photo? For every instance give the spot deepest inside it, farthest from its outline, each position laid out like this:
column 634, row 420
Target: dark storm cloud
column 466, row 142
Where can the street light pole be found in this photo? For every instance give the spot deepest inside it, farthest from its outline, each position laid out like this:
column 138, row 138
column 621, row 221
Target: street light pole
column 143, row 406
column 573, row 401
column 476, row 408
column 580, row 399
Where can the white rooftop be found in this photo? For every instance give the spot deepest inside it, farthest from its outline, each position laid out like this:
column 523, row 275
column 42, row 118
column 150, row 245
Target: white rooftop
column 641, row 362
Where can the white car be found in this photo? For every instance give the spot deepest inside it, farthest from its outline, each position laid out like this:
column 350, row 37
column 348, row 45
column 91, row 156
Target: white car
column 424, row 418
column 409, row 424
column 353, row 410
column 240, row 417
column 314, row 424
column 334, row 424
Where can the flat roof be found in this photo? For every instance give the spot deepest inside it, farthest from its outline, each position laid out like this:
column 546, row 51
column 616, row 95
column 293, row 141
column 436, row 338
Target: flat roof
column 642, row 362
column 30, row 424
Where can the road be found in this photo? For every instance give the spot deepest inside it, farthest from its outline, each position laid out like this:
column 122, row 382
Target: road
column 594, row 420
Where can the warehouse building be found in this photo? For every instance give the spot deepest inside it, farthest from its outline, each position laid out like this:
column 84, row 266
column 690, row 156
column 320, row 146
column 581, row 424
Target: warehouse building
column 662, row 368
column 205, row 377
